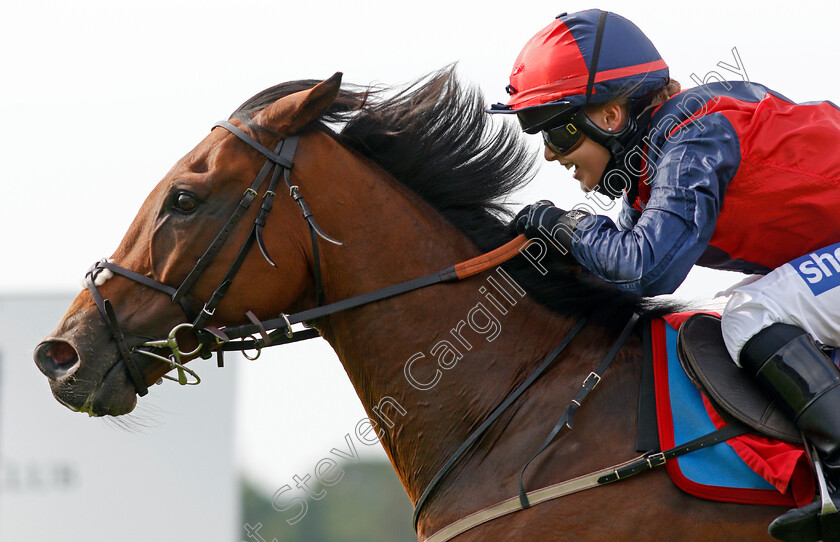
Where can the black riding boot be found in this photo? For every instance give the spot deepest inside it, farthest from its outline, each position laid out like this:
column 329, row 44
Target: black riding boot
column 788, row 364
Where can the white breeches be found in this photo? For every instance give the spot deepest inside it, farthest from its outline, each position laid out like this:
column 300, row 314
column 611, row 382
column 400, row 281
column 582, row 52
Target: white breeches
column 804, row 292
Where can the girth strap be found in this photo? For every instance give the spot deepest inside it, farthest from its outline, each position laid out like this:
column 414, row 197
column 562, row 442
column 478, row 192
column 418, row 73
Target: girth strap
column 511, row 505
column 652, row 460
column 581, row 483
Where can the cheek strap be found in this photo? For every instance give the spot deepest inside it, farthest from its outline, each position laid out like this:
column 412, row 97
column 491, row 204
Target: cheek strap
column 612, row 181
column 618, row 176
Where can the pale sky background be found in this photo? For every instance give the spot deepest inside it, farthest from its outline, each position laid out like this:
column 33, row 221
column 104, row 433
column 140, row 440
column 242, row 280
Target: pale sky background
column 100, row 98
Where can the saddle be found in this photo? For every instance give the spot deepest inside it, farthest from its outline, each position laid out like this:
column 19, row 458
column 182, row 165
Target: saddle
column 731, row 391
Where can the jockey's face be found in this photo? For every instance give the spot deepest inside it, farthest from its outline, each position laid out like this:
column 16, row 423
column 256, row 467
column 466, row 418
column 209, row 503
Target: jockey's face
column 590, row 159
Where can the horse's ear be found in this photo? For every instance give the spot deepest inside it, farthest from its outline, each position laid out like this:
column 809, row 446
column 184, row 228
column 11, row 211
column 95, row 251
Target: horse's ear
column 290, row 114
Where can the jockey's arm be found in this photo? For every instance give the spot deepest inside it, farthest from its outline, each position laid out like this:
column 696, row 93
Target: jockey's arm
column 654, row 250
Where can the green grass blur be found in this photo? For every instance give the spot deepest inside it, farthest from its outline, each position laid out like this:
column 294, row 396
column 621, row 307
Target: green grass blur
column 367, row 504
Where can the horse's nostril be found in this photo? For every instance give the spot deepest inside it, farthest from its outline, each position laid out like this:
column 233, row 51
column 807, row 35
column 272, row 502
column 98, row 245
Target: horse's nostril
column 56, row 358
column 63, row 353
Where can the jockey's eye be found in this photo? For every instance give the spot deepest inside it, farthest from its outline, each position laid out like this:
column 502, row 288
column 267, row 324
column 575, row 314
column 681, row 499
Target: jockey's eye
column 184, row 203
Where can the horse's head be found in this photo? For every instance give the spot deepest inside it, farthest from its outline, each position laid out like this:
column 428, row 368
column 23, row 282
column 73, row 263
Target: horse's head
column 92, row 359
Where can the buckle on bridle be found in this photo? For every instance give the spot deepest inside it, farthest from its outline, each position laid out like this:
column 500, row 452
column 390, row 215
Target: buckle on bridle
column 208, row 313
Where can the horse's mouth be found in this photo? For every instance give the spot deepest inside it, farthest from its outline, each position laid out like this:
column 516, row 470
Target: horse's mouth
column 115, row 395
column 112, row 395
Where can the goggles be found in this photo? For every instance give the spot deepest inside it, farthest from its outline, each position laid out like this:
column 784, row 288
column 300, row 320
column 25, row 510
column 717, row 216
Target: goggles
column 564, row 138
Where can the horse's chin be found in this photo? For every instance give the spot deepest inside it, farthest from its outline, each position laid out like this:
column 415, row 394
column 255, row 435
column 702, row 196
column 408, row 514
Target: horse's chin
column 113, row 395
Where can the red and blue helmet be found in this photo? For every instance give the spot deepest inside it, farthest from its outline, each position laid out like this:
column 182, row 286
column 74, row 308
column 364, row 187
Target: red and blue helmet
column 582, row 58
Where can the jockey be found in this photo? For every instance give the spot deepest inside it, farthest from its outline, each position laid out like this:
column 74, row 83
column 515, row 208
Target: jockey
column 730, row 175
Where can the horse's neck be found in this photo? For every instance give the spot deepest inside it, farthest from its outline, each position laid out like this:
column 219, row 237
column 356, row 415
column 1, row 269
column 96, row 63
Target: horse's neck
column 428, row 365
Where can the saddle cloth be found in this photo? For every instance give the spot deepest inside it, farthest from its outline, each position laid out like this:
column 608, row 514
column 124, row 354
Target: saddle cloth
column 749, row 469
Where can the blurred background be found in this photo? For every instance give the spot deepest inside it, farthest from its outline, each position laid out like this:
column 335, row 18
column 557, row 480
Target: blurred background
column 100, row 98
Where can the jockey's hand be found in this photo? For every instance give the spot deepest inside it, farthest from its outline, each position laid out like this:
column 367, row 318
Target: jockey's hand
column 543, row 220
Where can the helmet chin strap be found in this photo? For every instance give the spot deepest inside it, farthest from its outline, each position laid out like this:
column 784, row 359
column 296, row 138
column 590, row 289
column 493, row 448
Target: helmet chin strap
column 618, row 166
column 602, row 187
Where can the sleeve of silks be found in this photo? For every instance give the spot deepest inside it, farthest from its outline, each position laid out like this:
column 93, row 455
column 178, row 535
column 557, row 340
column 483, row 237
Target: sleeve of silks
column 687, row 184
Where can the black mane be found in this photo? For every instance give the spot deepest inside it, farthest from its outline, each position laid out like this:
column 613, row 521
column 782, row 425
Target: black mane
column 435, row 138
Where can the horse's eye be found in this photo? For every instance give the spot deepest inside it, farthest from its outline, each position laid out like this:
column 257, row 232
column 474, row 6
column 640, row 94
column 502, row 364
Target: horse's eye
column 185, row 203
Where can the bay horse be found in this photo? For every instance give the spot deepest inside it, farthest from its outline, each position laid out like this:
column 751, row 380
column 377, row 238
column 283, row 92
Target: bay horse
column 411, row 184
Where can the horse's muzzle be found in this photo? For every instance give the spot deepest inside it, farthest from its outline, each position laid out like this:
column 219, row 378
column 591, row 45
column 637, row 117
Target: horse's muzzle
column 80, row 384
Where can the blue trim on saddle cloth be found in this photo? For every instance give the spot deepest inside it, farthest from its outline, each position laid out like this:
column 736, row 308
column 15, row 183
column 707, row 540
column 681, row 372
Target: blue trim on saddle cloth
column 718, row 465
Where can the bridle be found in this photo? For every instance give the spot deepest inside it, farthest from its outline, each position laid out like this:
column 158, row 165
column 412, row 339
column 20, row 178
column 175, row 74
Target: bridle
column 279, row 162
column 258, row 334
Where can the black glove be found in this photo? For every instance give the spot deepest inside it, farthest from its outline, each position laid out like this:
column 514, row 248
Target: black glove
column 554, row 225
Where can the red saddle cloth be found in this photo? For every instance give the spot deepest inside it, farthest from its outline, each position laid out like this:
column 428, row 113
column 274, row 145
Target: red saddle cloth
column 748, row 469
